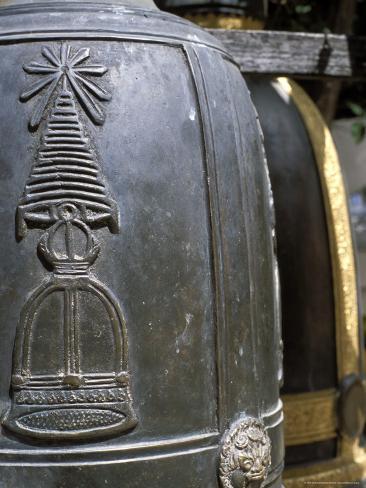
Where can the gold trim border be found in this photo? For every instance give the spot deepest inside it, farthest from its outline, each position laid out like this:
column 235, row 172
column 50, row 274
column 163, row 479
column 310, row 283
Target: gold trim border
column 350, row 464
column 310, row 417
column 339, row 230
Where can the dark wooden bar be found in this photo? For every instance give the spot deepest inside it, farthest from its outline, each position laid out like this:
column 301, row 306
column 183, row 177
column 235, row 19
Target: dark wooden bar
column 296, row 54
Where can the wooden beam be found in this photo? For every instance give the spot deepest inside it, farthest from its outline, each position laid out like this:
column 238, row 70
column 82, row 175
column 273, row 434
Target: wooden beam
column 330, row 90
column 296, row 54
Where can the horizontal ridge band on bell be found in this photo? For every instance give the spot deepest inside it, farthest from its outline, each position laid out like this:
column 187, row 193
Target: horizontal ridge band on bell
column 131, row 451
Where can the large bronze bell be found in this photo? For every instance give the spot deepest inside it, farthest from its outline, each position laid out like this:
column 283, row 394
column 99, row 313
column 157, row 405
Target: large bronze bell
column 140, row 339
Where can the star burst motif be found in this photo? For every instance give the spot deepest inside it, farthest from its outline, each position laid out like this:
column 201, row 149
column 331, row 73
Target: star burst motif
column 68, row 68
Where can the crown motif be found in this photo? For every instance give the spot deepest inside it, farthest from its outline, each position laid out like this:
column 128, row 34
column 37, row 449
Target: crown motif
column 69, row 246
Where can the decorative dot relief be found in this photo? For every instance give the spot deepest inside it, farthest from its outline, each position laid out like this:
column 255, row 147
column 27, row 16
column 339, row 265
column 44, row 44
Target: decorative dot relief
column 58, row 397
column 70, row 419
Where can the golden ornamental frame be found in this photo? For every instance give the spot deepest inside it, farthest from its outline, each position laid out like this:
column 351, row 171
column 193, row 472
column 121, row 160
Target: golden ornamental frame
column 350, row 463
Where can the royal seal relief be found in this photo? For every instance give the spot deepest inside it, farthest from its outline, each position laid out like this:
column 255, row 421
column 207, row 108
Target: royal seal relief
column 246, row 455
column 83, row 389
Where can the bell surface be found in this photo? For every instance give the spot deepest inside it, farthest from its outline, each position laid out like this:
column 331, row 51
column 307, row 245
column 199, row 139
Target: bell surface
column 324, row 398
column 140, row 340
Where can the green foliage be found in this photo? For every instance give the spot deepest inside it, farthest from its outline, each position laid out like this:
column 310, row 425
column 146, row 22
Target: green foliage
column 303, row 8
column 299, row 15
column 358, row 128
column 356, row 109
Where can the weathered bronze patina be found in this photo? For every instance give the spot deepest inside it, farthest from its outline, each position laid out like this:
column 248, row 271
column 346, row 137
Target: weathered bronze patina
column 324, row 400
column 139, row 324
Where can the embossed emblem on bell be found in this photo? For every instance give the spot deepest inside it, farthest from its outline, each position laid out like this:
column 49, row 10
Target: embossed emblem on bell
column 245, row 455
column 66, row 196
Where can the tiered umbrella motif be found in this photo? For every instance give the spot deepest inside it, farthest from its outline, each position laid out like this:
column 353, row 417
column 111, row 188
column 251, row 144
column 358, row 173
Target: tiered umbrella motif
column 66, row 167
